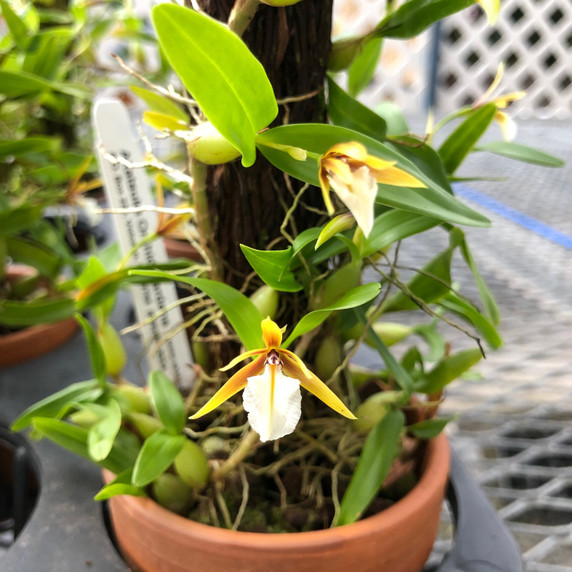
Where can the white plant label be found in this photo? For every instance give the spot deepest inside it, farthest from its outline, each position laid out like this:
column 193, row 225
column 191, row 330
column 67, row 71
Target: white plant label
column 128, row 188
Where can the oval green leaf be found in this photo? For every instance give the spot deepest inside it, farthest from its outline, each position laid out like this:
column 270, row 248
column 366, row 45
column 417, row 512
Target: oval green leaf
column 167, row 402
column 521, row 153
column 53, row 404
column 272, row 267
column 220, row 72
column 239, row 310
column 353, row 299
column 378, row 452
column 101, row 435
column 156, row 456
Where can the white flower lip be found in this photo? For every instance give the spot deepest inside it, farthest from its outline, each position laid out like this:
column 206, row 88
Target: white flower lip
column 273, row 403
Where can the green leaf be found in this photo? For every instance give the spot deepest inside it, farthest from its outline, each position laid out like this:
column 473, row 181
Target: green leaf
column 521, row 153
column 18, row 147
column 34, row 312
column 156, row 456
column 491, row 309
column 447, row 370
column 394, row 225
column 425, row 157
column 52, row 405
column 375, row 461
column 394, row 119
column 354, row 298
column 415, row 16
column 434, row 339
column 271, row 266
column 47, row 51
column 16, row 25
column 363, row 67
column 160, row 103
column 75, row 438
column 121, row 485
column 458, row 306
column 239, row 310
column 19, row 218
column 96, row 354
column 433, row 201
column 460, row 143
column 167, row 402
column 401, row 375
column 346, row 111
column 44, row 260
column 429, row 428
column 227, row 81
column 16, row 84
column 101, row 435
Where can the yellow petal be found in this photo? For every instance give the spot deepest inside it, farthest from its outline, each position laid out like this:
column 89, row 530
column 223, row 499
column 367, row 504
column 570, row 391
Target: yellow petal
column 351, row 149
column 397, row 178
column 325, row 186
column 339, row 168
column 316, row 387
column 491, row 9
column 503, row 100
column 298, row 362
column 377, row 164
column 242, row 357
column 271, row 333
column 232, row 386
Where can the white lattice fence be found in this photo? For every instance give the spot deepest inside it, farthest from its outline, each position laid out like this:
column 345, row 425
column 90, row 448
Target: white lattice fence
column 532, row 37
column 402, row 75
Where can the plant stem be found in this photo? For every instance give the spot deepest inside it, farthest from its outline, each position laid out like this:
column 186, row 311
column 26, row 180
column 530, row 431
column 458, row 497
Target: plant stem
column 146, row 239
column 202, row 218
column 241, row 15
column 243, row 450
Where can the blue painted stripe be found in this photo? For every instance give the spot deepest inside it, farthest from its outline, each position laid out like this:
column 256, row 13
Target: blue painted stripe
column 515, row 216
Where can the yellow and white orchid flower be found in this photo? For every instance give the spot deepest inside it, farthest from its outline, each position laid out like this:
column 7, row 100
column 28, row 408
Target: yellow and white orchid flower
column 353, row 174
column 271, row 386
column 506, row 123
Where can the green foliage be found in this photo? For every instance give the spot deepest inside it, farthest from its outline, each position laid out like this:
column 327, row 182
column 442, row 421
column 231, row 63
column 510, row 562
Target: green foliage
column 373, row 467
column 237, row 98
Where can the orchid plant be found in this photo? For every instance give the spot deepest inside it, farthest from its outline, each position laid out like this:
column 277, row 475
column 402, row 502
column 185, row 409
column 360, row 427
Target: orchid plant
column 280, row 259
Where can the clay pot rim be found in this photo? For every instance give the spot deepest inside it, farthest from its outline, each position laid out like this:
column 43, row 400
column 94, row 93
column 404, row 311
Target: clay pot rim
column 36, row 340
column 433, row 476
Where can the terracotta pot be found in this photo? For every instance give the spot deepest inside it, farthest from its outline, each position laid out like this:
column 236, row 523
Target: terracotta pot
column 181, row 249
column 398, row 539
column 22, row 345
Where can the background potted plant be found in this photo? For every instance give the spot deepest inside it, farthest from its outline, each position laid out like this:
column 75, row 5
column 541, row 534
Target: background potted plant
column 276, row 255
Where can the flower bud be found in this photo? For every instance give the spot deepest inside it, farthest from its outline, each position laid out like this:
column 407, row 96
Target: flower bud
column 192, row 466
column 266, row 301
column 391, row 332
column 210, row 147
column 328, row 357
column 171, row 492
column 133, row 398
column 145, row 424
column 338, row 284
column 374, row 409
column 113, row 350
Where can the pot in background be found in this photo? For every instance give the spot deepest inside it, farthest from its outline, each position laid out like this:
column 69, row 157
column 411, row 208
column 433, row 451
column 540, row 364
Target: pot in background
column 25, row 344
